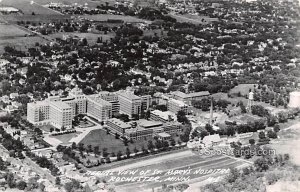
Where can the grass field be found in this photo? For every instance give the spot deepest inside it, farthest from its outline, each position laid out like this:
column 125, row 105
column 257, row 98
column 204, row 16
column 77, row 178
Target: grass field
column 11, row 35
column 66, row 137
column 90, row 3
column 192, row 163
column 27, row 8
column 195, row 19
column 34, row 18
column 91, row 37
column 242, row 88
column 101, row 139
column 10, row 31
column 104, row 17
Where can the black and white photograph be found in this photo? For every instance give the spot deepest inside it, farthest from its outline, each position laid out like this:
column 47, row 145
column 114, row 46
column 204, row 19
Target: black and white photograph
column 149, row 95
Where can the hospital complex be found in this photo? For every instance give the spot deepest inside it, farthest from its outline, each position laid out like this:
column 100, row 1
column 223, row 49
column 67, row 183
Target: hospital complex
column 59, row 112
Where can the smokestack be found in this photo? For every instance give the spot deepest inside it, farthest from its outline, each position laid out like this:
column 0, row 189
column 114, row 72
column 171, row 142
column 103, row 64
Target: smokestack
column 211, row 112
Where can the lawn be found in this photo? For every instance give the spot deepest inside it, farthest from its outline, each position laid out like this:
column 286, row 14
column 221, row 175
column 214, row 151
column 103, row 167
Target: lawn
column 65, row 138
column 90, row 3
column 91, row 37
column 13, row 36
column 20, row 43
column 38, row 18
column 195, row 19
column 242, row 88
column 103, row 140
column 27, row 8
column 105, row 17
column 10, row 31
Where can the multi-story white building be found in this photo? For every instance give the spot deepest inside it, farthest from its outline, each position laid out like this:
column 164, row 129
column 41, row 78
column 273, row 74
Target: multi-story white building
column 98, row 108
column 188, row 98
column 60, row 114
column 175, row 105
column 142, row 129
column 38, row 112
column 163, row 116
column 130, row 104
column 77, row 98
column 146, row 102
column 111, row 98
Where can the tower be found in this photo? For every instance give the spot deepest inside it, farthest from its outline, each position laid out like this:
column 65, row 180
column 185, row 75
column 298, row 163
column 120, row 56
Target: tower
column 211, row 112
column 250, row 101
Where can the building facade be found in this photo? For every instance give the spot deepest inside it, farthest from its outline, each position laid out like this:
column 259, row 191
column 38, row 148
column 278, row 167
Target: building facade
column 98, row 108
column 130, row 104
column 111, row 98
column 175, row 105
column 60, row 115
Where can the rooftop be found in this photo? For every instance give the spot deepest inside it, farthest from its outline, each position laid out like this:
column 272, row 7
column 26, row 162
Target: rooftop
column 38, row 103
column 119, row 123
column 165, row 114
column 97, row 99
column 60, row 105
column 148, row 124
column 164, row 135
column 178, row 102
column 196, row 94
column 128, row 95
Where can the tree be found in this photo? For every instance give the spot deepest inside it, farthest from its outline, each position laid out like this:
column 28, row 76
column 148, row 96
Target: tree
column 261, row 164
column 119, row 155
column 233, row 175
column 203, row 134
column 90, row 148
column 104, row 152
column 10, row 180
column 135, row 150
column 251, row 141
column 96, row 150
column 150, row 145
column 165, row 144
column 173, row 142
column 209, row 129
column 72, row 185
column 261, row 135
column 42, row 187
column 57, row 181
column 74, row 146
column 276, row 128
column 272, row 134
column 21, row 185
column 181, row 117
column 128, row 152
column 242, row 106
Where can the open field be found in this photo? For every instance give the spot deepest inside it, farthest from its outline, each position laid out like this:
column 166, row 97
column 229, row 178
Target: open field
column 91, row 37
column 104, row 17
column 186, row 162
column 242, row 88
column 65, row 138
column 34, row 18
column 90, row 3
column 288, row 141
column 101, row 139
column 27, row 8
column 11, row 31
column 195, row 19
column 11, row 35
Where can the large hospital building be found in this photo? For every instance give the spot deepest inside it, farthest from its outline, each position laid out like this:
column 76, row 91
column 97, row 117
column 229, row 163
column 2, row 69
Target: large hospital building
column 102, row 106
